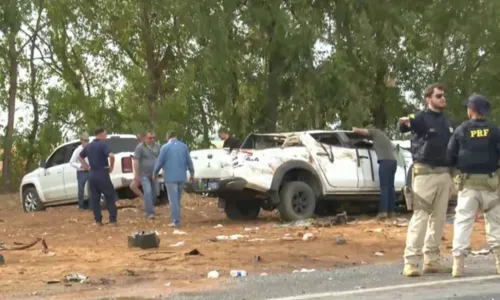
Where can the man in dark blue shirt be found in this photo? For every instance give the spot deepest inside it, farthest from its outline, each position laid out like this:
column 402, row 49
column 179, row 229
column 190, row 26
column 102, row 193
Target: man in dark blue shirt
column 97, row 153
column 474, row 149
column 431, row 183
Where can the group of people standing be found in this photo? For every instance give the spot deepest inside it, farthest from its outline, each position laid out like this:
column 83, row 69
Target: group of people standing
column 466, row 157
column 91, row 163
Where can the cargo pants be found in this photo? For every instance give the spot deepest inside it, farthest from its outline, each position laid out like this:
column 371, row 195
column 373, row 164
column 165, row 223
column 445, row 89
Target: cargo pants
column 469, row 200
column 431, row 194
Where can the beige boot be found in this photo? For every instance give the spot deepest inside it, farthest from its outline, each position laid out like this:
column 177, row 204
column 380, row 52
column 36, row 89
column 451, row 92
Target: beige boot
column 458, row 266
column 411, row 270
column 496, row 254
column 435, row 267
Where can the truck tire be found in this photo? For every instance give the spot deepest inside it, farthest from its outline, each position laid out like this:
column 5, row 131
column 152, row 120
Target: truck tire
column 31, row 200
column 297, row 201
column 242, row 209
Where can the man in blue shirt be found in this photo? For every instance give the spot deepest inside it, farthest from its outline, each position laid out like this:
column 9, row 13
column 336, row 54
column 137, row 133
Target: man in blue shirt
column 97, row 153
column 175, row 160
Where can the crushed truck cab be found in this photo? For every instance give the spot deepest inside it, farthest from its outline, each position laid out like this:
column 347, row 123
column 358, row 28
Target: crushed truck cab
column 293, row 171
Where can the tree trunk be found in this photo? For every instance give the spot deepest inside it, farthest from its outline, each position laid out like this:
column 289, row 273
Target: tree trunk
column 11, row 106
column 33, row 97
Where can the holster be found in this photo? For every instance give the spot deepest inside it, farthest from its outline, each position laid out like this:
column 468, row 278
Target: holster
column 408, row 194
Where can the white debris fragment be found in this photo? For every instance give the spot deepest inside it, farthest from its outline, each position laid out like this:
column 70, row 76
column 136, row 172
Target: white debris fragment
column 179, row 232
column 178, row 244
column 218, row 226
column 237, row 236
column 167, row 284
column 263, row 274
column 308, row 236
column 213, row 274
column 307, row 270
column 256, row 240
column 378, row 253
column 251, row 228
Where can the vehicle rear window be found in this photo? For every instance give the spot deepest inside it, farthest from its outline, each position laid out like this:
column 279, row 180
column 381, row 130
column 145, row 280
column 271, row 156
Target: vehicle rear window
column 117, row 145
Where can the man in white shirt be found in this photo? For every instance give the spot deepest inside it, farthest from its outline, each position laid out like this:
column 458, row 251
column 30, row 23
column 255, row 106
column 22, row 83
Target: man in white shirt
column 82, row 172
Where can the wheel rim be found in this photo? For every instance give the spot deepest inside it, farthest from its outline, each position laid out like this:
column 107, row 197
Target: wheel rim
column 299, row 202
column 30, row 202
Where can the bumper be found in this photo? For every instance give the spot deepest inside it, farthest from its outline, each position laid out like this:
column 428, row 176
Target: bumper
column 199, row 186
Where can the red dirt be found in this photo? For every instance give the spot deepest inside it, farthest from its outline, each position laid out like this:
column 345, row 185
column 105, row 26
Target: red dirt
column 76, row 246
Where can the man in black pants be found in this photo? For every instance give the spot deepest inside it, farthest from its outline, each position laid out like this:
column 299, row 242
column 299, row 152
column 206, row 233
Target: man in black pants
column 100, row 183
column 387, row 165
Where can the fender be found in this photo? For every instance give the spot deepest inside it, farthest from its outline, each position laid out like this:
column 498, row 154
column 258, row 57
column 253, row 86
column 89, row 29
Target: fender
column 289, row 165
column 36, row 183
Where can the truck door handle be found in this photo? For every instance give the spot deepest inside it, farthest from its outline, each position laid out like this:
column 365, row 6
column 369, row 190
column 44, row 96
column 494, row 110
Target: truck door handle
column 362, row 156
column 321, row 154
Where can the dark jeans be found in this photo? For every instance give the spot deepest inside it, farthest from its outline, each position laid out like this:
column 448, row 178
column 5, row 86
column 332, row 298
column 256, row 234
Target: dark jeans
column 100, row 184
column 82, row 177
column 386, row 174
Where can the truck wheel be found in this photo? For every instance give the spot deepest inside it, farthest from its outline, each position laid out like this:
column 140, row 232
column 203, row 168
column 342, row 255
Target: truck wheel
column 242, row 209
column 31, row 200
column 297, row 201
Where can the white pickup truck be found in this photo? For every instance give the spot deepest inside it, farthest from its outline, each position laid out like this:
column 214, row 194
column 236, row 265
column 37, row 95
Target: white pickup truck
column 54, row 182
column 291, row 172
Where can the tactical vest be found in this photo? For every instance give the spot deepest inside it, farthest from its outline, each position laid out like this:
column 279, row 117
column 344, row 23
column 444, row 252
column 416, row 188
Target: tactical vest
column 430, row 148
column 478, row 152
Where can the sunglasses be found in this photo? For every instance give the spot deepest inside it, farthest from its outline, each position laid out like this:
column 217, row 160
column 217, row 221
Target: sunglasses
column 439, row 96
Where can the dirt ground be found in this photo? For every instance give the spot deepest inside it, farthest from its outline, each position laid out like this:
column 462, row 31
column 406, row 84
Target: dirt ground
column 115, row 270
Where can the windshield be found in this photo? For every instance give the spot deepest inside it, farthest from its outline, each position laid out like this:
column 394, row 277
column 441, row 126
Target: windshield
column 117, row 145
column 257, row 142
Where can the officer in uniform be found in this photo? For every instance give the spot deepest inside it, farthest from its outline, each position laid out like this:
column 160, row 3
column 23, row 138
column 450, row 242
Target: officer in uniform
column 431, row 183
column 474, row 149
column 100, row 183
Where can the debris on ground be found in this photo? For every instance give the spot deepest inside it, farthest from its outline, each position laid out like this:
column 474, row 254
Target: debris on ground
column 2, row 260
column 230, row 237
column 379, row 253
column 213, row 274
column 340, row 240
column 179, row 232
column 131, row 272
column 288, row 237
column 251, row 228
column 483, row 251
column 257, row 240
column 193, row 252
column 53, row 281
column 238, row 273
column 218, row 226
column 76, row 278
column 298, row 223
column 400, row 222
column 308, row 236
column 263, row 274
column 303, row 270
column 257, row 259
column 178, row 244
column 23, row 246
column 167, row 284
column 144, row 240
column 375, row 230
column 105, row 281
column 339, row 219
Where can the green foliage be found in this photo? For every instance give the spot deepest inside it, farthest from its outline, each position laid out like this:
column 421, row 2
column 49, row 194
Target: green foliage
column 248, row 65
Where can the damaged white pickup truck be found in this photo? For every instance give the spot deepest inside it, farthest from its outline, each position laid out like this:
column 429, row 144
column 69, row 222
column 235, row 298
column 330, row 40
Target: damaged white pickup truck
column 292, row 172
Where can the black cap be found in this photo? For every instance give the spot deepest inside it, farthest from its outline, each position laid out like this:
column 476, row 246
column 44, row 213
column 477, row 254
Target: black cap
column 478, row 103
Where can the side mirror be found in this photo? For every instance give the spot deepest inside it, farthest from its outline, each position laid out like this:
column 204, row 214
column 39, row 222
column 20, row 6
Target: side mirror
column 42, row 164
